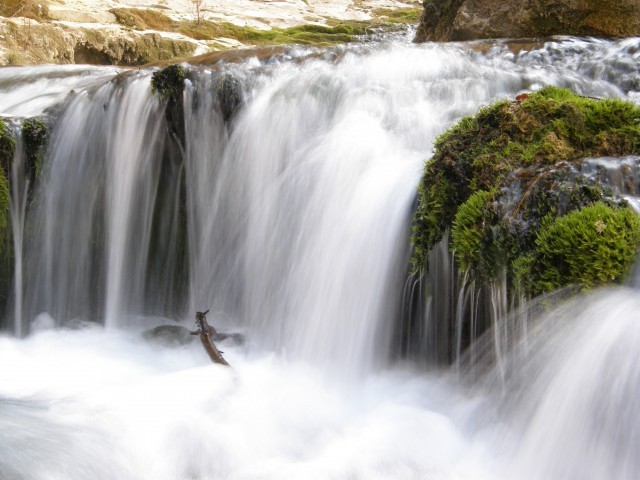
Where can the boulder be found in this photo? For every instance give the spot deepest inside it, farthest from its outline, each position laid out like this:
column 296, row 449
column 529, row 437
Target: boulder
column 461, row 20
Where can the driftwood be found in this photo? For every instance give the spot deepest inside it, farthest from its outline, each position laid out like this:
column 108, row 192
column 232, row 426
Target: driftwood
column 207, row 334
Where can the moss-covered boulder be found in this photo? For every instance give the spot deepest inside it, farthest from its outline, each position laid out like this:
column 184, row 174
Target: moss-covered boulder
column 508, row 184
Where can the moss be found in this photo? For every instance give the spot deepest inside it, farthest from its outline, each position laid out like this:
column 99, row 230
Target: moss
column 35, row 135
column 303, row 34
column 168, row 83
column 143, row 19
column 472, row 237
column 589, row 247
column 335, row 32
column 480, row 152
column 228, row 93
column 409, row 16
column 7, row 147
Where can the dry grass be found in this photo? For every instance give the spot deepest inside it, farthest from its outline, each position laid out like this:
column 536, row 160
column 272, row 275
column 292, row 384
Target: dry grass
column 37, row 10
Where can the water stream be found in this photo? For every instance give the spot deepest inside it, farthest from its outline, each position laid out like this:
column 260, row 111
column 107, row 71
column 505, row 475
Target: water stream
column 291, row 221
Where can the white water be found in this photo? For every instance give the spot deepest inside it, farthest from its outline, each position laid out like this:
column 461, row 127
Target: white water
column 298, row 218
column 94, row 404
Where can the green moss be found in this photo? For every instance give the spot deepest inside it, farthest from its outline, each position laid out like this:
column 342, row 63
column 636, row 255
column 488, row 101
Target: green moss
column 35, row 135
column 480, row 152
column 409, row 16
column 589, row 247
column 7, row 147
column 168, row 83
column 143, row 19
column 472, row 236
column 303, row 34
column 335, row 32
column 7, row 150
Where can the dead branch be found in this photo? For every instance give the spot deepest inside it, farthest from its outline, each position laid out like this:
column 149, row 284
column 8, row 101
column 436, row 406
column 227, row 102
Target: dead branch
column 207, row 334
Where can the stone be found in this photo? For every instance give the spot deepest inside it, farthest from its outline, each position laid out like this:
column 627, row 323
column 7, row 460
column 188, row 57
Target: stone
column 462, row 20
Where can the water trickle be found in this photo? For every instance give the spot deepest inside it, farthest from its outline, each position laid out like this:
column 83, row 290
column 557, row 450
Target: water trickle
column 18, row 207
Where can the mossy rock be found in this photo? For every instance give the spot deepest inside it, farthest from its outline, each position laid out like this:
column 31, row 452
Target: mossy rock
column 229, row 95
column 7, row 150
column 7, row 147
column 35, row 135
column 168, row 84
column 501, row 177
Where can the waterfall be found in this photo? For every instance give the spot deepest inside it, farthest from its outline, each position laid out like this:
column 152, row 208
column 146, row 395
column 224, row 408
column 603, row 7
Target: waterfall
column 286, row 211
column 18, row 205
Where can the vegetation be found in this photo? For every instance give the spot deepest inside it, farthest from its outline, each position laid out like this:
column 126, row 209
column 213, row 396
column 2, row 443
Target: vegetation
column 471, row 235
column 409, row 16
column 588, row 247
column 35, row 135
column 143, row 19
column 7, row 150
column 501, row 178
column 336, row 32
column 7, row 147
column 35, row 9
column 168, row 84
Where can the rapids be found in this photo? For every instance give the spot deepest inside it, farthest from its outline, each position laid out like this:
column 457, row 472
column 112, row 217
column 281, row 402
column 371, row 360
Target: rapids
column 291, row 223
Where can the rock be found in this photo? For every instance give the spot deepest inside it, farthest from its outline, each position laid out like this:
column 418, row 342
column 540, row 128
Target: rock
column 500, row 179
column 460, row 20
column 38, row 43
column 229, row 96
column 169, row 335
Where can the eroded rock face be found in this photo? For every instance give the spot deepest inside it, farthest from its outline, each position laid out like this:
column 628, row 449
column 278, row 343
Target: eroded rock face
column 36, row 43
column 457, row 20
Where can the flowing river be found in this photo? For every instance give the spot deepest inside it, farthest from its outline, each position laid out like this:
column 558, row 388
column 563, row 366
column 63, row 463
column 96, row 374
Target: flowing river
column 290, row 220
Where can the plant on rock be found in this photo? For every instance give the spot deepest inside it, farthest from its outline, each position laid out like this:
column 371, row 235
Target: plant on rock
column 507, row 181
column 589, row 247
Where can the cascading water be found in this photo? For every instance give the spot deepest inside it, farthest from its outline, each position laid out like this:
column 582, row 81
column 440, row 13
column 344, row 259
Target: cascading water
column 290, row 220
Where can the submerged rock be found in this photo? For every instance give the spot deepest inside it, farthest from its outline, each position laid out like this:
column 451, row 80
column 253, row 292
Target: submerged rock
column 454, row 20
column 169, row 335
column 176, row 335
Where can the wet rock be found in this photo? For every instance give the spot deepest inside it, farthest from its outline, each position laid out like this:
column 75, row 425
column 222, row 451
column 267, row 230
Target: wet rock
column 169, row 335
column 229, row 96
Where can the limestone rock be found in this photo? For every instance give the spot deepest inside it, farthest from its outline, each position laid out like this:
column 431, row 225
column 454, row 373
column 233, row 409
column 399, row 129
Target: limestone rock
column 37, row 43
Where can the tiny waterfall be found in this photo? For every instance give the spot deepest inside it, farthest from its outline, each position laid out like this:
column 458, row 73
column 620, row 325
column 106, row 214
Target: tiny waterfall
column 18, row 203
column 290, row 217
column 133, row 126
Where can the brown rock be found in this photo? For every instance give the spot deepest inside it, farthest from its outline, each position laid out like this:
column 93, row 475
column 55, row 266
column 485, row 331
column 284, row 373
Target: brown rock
column 451, row 20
